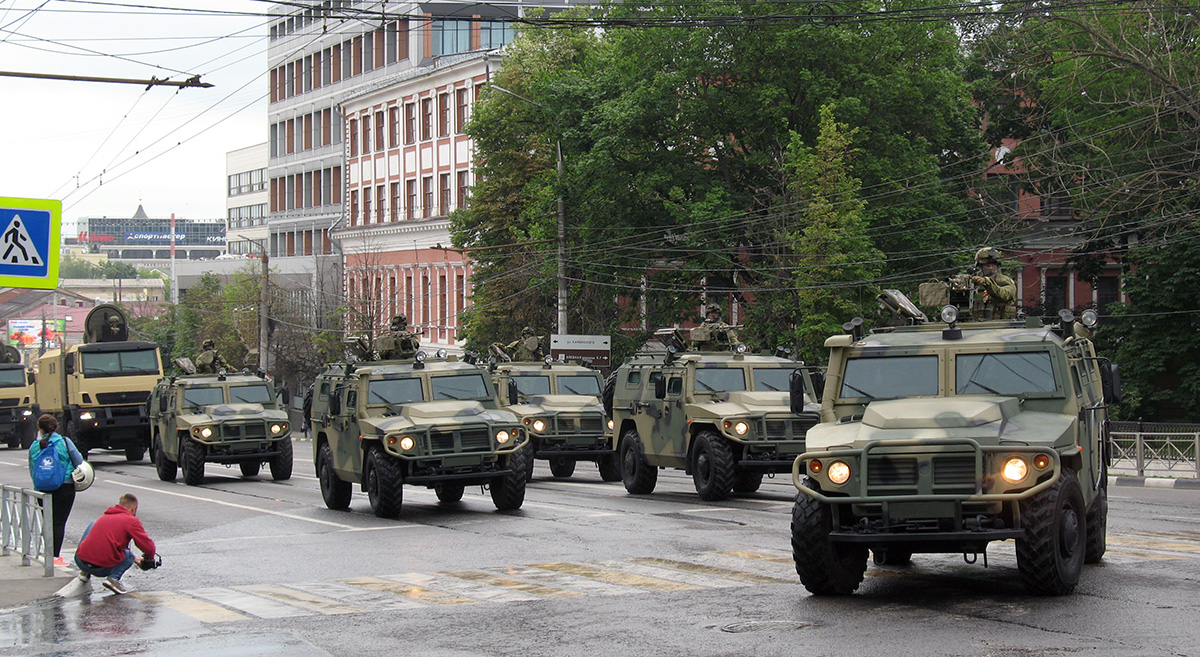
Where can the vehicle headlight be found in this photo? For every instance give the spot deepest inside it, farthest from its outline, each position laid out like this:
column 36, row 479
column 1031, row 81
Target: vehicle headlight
column 949, row 314
column 203, row 432
column 610, row 425
column 407, row 443
column 740, row 427
column 87, row 415
column 502, row 437
column 539, row 425
column 839, row 472
column 1015, row 470
column 28, row 413
column 279, row 429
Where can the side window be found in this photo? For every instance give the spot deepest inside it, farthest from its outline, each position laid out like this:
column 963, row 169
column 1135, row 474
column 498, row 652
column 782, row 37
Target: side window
column 324, row 393
column 674, row 385
column 654, row 377
column 634, row 379
column 351, row 401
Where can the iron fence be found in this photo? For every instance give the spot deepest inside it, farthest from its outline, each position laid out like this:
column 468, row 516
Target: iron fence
column 23, row 525
column 1155, row 449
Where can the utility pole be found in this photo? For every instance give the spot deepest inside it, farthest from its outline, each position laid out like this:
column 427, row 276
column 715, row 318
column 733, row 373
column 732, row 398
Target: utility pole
column 263, row 336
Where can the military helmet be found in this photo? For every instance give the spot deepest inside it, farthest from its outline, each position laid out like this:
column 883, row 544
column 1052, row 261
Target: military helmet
column 209, row 344
column 987, row 255
column 527, row 329
column 400, row 318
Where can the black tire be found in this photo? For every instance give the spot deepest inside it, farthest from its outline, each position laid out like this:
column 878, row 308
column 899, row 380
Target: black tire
column 1050, row 556
column 166, row 468
column 639, row 477
column 712, row 467
column 250, row 468
column 191, row 461
column 892, row 557
column 281, row 465
column 135, row 454
column 73, row 434
column 610, row 468
column 336, row 492
column 824, row 567
column 449, row 492
column 561, row 467
column 747, row 482
column 28, row 433
column 1097, row 527
column 610, row 388
column 529, row 461
column 384, row 482
column 508, row 492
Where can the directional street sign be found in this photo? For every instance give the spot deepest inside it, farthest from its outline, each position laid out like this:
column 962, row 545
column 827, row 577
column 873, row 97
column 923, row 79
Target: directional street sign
column 591, row 350
column 29, row 242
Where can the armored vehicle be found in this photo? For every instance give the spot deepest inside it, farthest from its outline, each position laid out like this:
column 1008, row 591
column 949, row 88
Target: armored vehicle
column 18, row 400
column 433, row 422
column 218, row 418
column 98, row 390
column 725, row 417
column 943, row 438
column 559, row 404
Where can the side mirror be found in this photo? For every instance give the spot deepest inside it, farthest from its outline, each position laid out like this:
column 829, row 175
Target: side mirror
column 796, row 392
column 285, row 396
column 30, row 378
column 335, row 403
column 818, row 381
column 660, row 388
column 1110, row 381
column 512, row 391
column 69, row 364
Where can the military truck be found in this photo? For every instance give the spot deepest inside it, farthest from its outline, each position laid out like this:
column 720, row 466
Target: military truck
column 727, row 417
column 559, row 405
column 98, row 390
column 412, row 419
column 944, row 437
column 218, row 418
column 19, row 410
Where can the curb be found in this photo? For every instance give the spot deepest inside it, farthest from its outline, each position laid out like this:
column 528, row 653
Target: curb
column 1154, row 482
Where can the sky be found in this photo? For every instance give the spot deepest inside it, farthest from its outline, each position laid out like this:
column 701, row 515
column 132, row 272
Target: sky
column 103, row 148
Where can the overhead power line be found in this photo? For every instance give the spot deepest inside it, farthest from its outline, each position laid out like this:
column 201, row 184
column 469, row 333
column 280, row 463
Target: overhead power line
column 193, row 81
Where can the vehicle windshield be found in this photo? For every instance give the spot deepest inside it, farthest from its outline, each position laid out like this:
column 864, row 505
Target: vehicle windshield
column 532, row 385
column 120, row 363
column 459, row 386
column 720, row 379
column 197, row 397
column 772, row 378
column 251, row 394
column 395, row 391
column 1004, row 373
column 586, row 384
column 11, row 378
column 890, row 377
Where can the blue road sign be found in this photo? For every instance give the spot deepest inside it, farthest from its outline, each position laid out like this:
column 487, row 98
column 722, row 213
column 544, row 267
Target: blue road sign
column 29, row 242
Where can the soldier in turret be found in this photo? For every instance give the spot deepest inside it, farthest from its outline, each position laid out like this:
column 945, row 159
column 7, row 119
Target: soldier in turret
column 210, row 361
column 995, row 293
column 713, row 334
column 399, row 342
column 528, row 348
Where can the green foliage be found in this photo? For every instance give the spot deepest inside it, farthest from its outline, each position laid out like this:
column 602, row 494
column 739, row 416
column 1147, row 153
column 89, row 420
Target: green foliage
column 70, row 267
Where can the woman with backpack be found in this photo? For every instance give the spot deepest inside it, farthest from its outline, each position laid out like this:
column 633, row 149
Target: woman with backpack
column 52, row 458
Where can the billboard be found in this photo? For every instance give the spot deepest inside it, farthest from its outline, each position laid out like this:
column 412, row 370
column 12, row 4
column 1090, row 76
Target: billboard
column 29, row 333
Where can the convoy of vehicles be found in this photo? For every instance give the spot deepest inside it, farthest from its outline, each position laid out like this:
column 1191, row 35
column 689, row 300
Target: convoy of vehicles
column 98, row 390
column 945, row 437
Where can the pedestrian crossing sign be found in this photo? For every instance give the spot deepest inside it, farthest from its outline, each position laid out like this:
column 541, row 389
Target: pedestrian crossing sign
column 29, row 242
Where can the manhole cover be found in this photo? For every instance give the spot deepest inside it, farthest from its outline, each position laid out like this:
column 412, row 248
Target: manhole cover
column 765, row 626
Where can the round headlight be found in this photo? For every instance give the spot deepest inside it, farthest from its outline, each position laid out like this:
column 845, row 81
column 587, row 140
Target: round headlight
column 1015, row 470
column 839, row 472
column 539, row 425
column 502, row 436
column 740, row 347
column 276, row 429
column 549, row 360
column 610, row 425
column 1066, row 315
column 206, row 432
column 420, row 357
column 407, row 443
column 1090, row 318
column 949, row 314
column 87, row 415
column 741, row 428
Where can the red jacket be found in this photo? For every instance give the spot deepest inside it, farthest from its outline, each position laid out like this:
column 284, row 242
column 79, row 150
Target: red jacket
column 109, row 537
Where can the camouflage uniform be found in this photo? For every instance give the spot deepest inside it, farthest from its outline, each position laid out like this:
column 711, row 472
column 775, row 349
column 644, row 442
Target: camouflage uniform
column 526, row 349
column 713, row 334
column 996, row 294
column 209, row 361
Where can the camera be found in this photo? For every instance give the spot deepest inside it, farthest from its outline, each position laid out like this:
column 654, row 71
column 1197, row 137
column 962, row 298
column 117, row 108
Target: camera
column 150, row 564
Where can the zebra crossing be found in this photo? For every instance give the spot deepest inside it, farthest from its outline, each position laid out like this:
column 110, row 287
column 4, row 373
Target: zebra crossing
column 502, row 584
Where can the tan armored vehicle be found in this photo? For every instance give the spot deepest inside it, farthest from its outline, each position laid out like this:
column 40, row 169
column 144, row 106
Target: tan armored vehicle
column 18, row 400
column 559, row 405
column 98, row 390
column 724, row 416
column 218, row 418
column 409, row 419
column 945, row 437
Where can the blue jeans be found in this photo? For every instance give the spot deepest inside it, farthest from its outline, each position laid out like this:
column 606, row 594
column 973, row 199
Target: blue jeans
column 114, row 572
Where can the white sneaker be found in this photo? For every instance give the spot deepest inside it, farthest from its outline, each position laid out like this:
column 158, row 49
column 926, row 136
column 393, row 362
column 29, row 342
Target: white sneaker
column 85, row 577
column 115, row 586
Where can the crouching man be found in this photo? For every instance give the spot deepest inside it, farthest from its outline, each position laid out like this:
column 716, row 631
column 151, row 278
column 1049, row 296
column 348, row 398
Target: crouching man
column 104, row 550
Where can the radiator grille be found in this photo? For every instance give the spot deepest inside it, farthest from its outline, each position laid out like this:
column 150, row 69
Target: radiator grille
column 891, row 471
column 467, row 439
column 132, row 397
column 954, row 470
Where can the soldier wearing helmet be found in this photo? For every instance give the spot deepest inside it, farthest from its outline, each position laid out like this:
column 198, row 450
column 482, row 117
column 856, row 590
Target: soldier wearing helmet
column 400, row 323
column 995, row 293
column 209, row 361
column 526, row 349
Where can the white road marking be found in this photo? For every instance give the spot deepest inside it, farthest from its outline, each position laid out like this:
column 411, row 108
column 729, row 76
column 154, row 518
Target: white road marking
column 245, row 507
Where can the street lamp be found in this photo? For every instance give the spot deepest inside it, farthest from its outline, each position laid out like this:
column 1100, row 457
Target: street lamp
column 562, row 220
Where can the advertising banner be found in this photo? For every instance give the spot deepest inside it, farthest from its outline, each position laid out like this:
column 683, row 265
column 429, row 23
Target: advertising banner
column 27, row 333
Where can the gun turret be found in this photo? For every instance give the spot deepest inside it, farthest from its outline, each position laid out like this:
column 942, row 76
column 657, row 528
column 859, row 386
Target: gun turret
column 105, row 323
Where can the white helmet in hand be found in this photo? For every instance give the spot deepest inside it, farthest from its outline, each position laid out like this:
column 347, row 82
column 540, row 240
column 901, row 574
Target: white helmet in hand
column 84, row 475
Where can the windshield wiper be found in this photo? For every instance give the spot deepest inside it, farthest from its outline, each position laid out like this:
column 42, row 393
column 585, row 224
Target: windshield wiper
column 861, row 392
column 991, row 390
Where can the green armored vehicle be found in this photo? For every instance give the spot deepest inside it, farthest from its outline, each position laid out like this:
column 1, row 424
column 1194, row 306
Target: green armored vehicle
column 409, row 419
column 18, row 400
column 218, row 418
column 943, row 438
column 559, row 404
column 724, row 416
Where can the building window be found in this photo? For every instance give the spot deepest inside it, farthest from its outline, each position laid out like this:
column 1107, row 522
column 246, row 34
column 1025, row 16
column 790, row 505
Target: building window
column 379, row 133
column 464, row 188
column 366, row 201
column 394, row 208
column 410, row 207
column 353, row 137
column 1108, row 291
column 462, row 110
column 494, row 34
column 354, row 207
column 380, row 203
column 451, row 37
column 393, row 126
column 410, row 123
column 426, row 118
column 1055, row 293
column 443, row 115
column 444, row 196
column 366, row 134
column 1056, row 205
column 427, row 196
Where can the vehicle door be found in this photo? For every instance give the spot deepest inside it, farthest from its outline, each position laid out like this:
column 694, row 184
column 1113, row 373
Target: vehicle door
column 343, row 430
column 670, row 437
column 645, row 409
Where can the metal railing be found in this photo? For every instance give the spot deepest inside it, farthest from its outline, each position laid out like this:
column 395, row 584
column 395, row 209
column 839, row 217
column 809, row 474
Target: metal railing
column 1155, row 449
column 24, row 527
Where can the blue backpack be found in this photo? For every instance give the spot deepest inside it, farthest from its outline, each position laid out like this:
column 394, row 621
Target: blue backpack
column 49, row 471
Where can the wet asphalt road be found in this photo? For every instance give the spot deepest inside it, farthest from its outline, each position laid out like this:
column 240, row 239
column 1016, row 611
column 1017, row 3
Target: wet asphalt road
column 257, row 567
